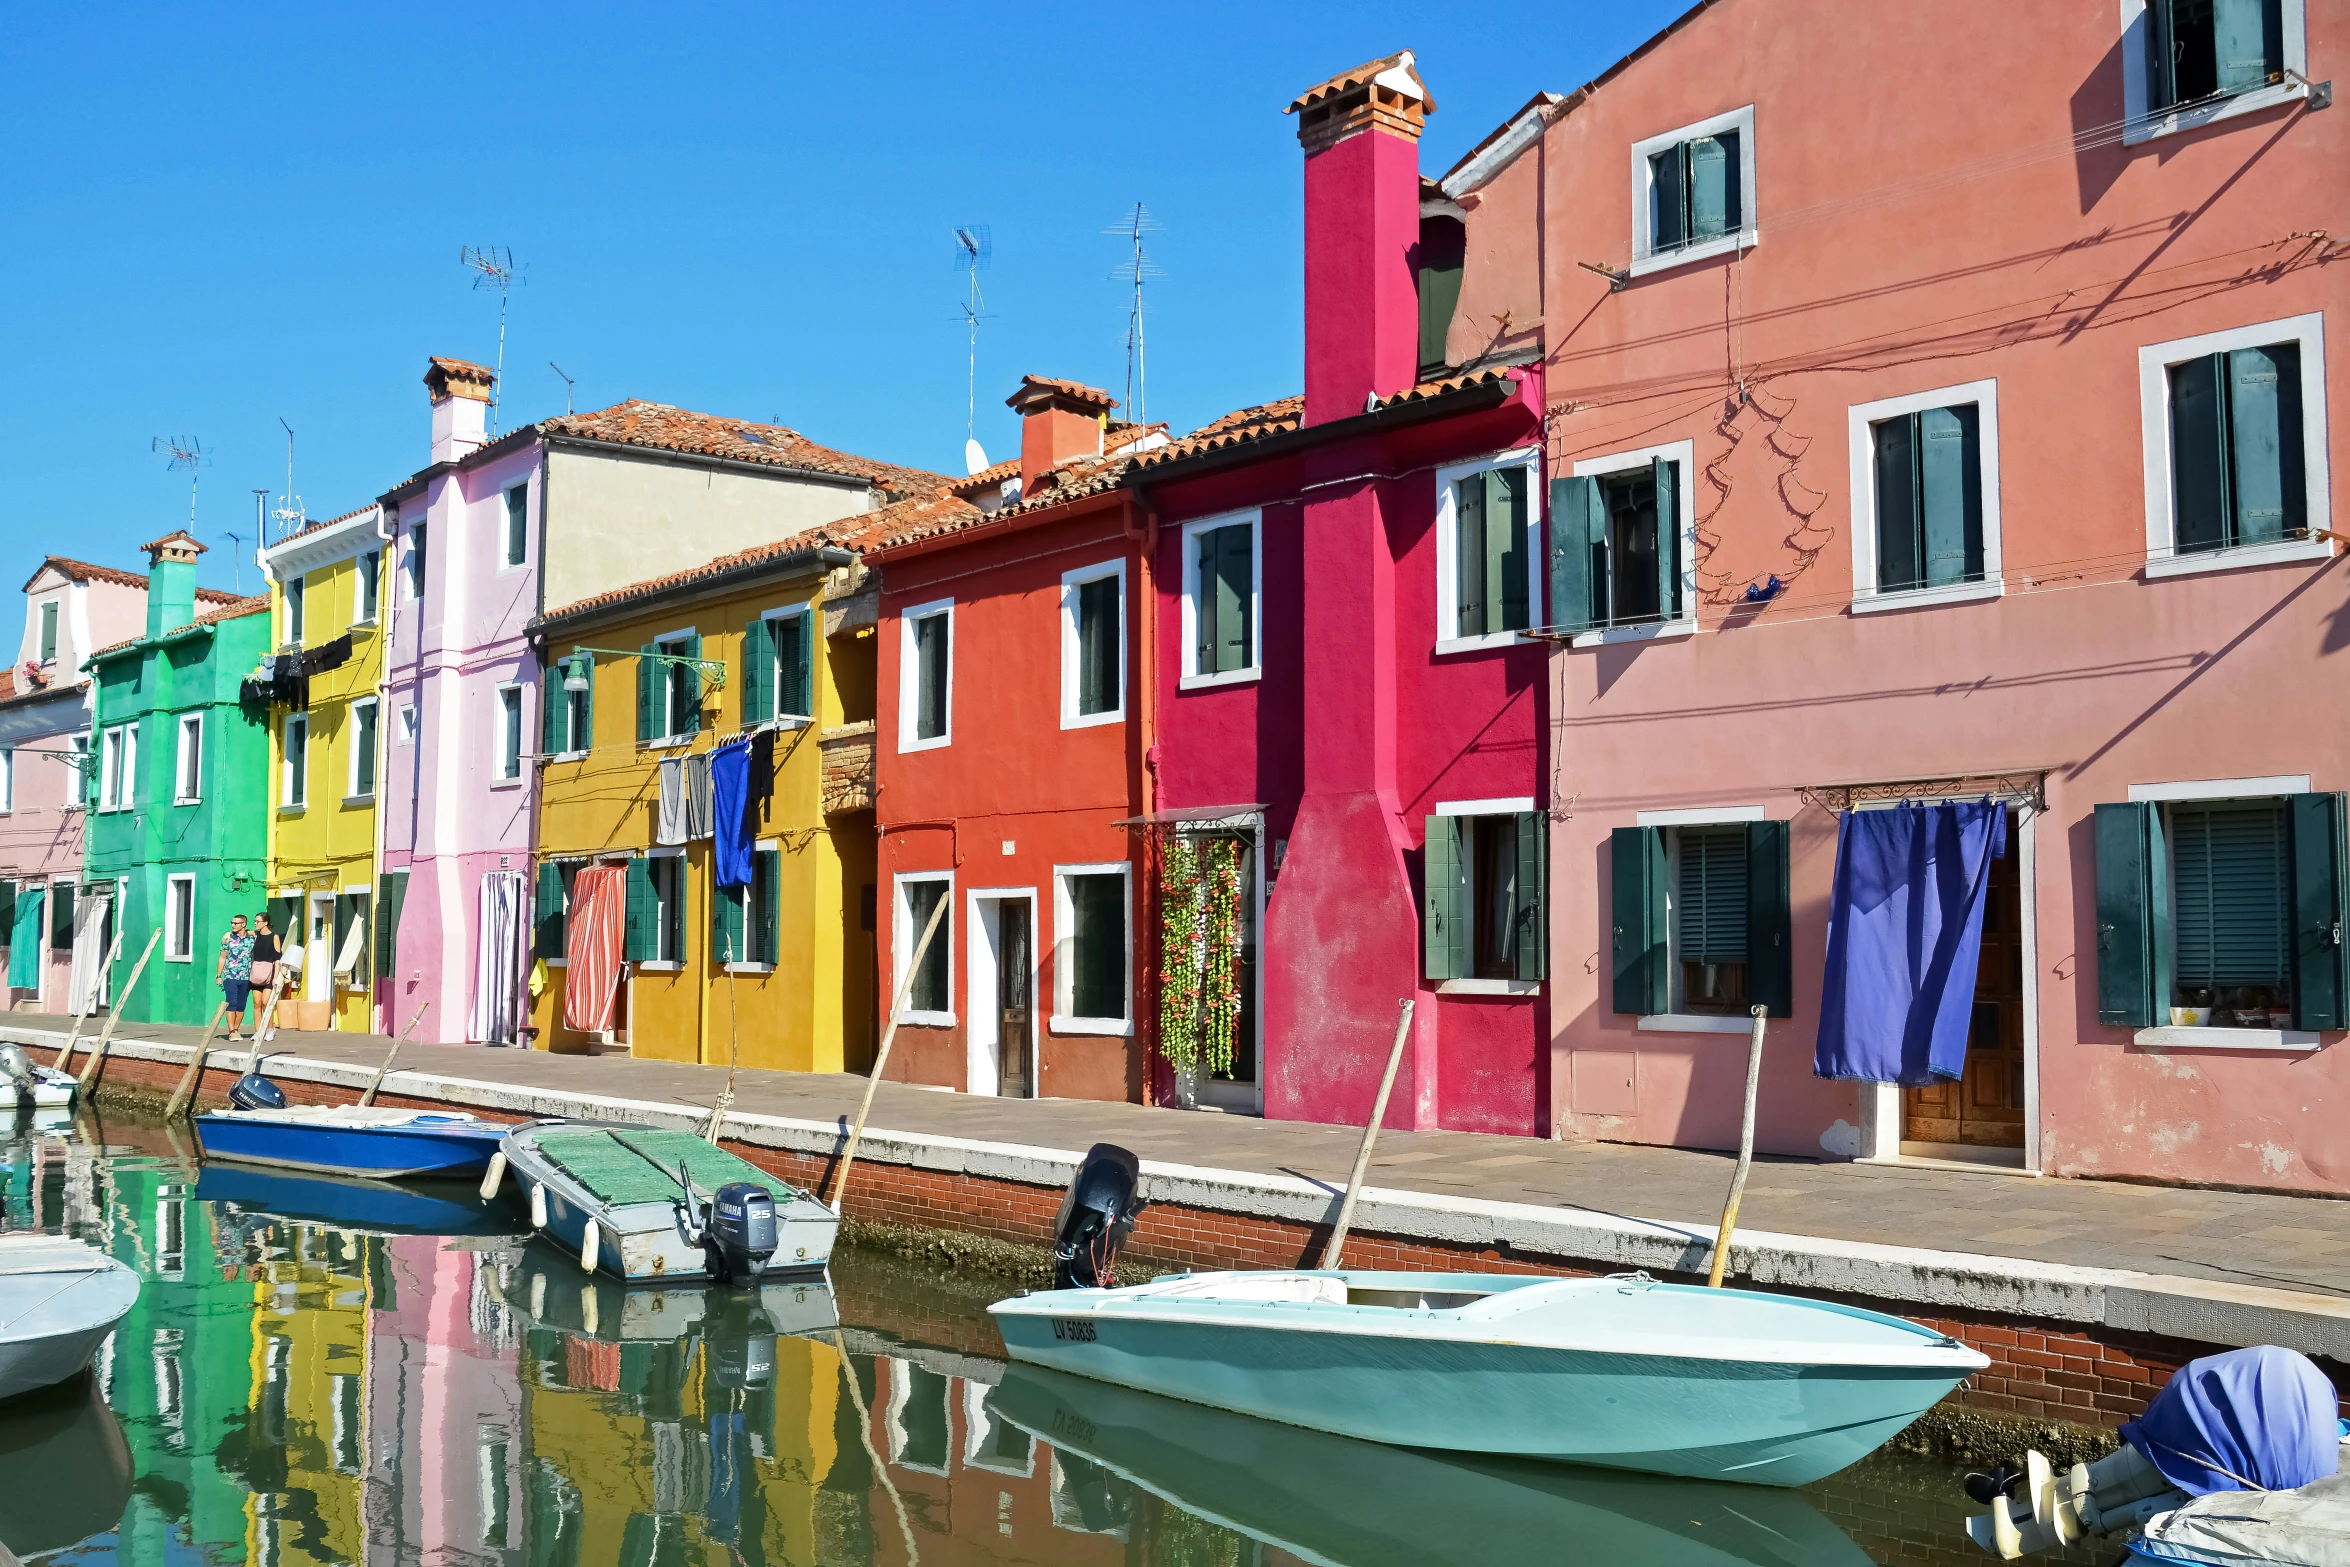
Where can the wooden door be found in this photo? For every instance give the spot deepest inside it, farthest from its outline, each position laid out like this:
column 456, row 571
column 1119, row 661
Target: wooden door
column 1985, row 1106
column 1015, row 1002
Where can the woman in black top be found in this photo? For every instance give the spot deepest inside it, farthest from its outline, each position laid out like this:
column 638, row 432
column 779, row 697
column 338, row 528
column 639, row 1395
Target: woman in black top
column 266, row 956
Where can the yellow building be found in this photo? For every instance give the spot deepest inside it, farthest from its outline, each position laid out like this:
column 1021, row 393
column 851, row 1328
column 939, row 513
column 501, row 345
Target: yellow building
column 778, row 639
column 329, row 612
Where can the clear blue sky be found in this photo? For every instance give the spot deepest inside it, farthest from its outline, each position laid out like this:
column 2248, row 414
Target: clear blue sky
column 221, row 216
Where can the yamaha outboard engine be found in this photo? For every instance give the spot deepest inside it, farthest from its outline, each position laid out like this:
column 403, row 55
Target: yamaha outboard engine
column 740, row 1234
column 16, row 1075
column 1096, row 1217
column 255, row 1092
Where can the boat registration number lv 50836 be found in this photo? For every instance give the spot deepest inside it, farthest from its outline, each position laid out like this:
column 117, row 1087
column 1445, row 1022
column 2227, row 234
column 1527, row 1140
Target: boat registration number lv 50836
column 1076, row 1329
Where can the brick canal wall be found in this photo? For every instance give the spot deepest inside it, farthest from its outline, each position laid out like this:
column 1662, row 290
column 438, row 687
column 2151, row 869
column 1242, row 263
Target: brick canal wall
column 2039, row 1369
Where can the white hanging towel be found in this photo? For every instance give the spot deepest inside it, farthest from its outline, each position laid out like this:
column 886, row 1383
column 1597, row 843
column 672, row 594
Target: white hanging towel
column 353, row 949
column 497, row 963
column 669, row 822
column 89, row 954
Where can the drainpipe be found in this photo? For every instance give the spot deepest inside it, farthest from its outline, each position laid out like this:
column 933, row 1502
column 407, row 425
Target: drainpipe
column 387, row 608
column 537, row 647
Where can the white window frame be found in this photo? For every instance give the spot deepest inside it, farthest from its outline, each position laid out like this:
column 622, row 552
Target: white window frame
column 369, row 603
column 129, row 798
column 978, row 1421
column 2154, row 362
column 1867, row 598
column 407, row 724
column 171, row 894
column 1448, row 603
column 506, row 520
column 665, row 674
column 49, row 632
column 775, row 619
column 1071, row 581
column 676, row 858
column 500, row 778
column 741, row 897
column 351, row 789
column 2138, row 125
column 7, row 779
column 293, row 792
column 1645, row 257
column 1064, row 952
column 903, row 936
column 1191, row 679
column 296, row 598
column 110, row 768
column 1512, row 805
column 910, row 676
column 80, row 746
column 190, row 731
column 1684, row 455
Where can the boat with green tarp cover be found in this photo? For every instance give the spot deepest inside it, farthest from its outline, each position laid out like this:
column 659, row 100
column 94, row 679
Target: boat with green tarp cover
column 637, row 1202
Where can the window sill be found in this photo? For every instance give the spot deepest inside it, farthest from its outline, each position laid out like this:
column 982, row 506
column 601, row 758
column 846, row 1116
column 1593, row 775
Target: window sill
column 1669, row 631
column 2228, row 1039
column 652, row 967
column 1925, row 598
column 506, row 783
column 927, row 1019
column 2238, row 558
column 1109, row 1026
column 177, row 957
column 558, row 756
column 1093, row 720
column 907, row 747
column 1695, row 1023
column 1489, row 987
column 1483, row 644
column 292, row 810
column 668, row 742
column 2191, row 117
column 184, row 799
column 556, row 962
column 1722, row 245
column 1224, row 677
column 752, row 969
column 359, row 799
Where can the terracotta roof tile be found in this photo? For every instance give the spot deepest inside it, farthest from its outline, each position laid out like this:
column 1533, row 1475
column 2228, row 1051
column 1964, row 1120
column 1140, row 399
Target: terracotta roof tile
column 84, row 571
column 234, row 609
column 1237, row 428
column 1345, row 81
column 31, row 692
column 462, row 369
column 988, row 478
column 1074, row 391
column 177, row 533
column 663, row 428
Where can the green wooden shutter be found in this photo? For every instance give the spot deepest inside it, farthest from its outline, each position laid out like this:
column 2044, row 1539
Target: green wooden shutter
column 1469, row 562
column 1950, row 494
column 1668, row 206
column 1097, row 646
column 1532, row 957
column 24, row 941
column 1235, row 595
column 802, row 668
column 2245, row 49
column 758, row 675
column 1208, row 601
column 2267, row 485
column 2199, row 463
column 1709, row 895
column 1445, row 923
column 1505, row 547
column 2133, row 915
column 1710, row 177
column 2161, row 65
column 641, row 940
column 385, row 922
column 1578, row 522
column 767, row 905
column 1733, row 183
column 726, row 926
column 1770, row 959
column 583, row 734
column 61, row 916
column 1636, row 866
column 693, row 686
column 549, row 911
column 2229, row 889
column 648, row 695
column 554, row 706
column 1901, row 547
column 2320, row 911
column 1668, row 539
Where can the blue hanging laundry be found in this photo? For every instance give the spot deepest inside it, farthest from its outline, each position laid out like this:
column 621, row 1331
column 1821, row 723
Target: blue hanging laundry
column 730, row 779
column 1905, row 927
column 2264, row 1415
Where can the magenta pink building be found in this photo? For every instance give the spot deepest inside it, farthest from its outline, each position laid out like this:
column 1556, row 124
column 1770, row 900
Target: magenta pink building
column 1936, row 415
column 1343, row 583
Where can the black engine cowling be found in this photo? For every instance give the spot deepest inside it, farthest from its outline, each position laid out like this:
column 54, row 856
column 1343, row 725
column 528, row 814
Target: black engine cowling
column 741, row 1233
column 255, row 1092
column 1096, row 1217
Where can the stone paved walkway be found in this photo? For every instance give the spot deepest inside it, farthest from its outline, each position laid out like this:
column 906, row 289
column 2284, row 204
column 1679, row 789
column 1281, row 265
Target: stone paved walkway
column 2282, row 1242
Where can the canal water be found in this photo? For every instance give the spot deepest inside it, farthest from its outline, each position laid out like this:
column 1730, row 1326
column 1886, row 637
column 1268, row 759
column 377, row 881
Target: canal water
column 328, row 1373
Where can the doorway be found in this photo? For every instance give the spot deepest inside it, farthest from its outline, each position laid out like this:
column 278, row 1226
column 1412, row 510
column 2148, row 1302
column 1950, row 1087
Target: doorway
column 1981, row 1115
column 1241, row 1090
column 318, row 959
column 1001, row 1053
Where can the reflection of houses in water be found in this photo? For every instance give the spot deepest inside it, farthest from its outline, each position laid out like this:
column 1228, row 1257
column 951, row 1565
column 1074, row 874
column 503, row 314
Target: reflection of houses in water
column 306, row 1429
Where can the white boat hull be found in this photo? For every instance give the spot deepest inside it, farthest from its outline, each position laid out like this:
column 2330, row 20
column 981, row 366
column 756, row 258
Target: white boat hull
column 59, row 1299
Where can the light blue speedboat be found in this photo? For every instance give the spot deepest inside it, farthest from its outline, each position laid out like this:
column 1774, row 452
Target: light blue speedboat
column 1626, row 1372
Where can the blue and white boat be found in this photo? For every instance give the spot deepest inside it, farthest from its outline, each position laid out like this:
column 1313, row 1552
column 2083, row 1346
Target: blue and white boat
column 382, row 1143
column 1624, row 1372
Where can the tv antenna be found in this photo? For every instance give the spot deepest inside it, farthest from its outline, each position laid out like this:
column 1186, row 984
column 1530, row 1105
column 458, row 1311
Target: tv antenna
column 558, row 369
column 289, row 514
column 236, row 558
column 185, row 452
column 1136, row 270
column 974, row 249
column 494, row 267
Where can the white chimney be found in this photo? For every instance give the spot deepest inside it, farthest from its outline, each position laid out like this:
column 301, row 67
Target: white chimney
column 460, row 407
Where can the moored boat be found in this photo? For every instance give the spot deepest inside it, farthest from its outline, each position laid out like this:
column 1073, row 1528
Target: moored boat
column 257, row 1194
column 30, row 1091
column 68, row 1467
column 382, row 1143
column 59, row 1298
column 1624, row 1372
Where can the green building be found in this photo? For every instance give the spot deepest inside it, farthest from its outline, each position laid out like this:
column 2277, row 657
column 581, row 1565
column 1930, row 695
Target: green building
column 178, row 785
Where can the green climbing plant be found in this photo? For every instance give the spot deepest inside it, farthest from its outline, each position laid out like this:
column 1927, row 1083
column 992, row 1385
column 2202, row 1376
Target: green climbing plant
column 1199, row 996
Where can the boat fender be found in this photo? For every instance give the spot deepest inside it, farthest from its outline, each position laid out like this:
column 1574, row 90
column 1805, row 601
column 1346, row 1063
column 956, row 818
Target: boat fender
column 493, row 1175
column 538, row 1296
column 589, row 1243
column 538, row 1205
column 588, row 1317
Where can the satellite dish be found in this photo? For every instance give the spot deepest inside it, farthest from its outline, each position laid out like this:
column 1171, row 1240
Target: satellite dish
column 974, row 460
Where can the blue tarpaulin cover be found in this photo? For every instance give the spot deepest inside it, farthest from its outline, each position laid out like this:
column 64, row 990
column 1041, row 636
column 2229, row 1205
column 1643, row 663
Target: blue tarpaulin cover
column 1905, row 925
column 2263, row 1414
column 730, row 779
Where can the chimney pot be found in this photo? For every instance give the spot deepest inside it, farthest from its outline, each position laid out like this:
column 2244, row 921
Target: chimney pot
column 1059, row 420
column 461, row 394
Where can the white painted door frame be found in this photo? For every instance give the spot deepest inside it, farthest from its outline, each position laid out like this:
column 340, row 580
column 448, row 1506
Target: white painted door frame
column 982, row 1016
column 318, row 957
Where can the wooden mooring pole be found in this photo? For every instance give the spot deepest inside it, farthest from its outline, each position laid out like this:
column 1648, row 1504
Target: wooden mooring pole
column 889, row 1032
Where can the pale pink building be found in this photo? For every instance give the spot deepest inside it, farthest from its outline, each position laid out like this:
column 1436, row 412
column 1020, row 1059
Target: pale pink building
column 1937, row 407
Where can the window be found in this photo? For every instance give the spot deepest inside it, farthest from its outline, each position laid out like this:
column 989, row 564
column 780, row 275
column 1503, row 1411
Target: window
column 294, row 789
column 930, row 997
column 407, row 729
column 2236, row 463
column 2221, row 906
column 7, row 779
column 1925, row 487
column 1221, row 566
column 655, row 926
column 745, row 921
column 49, row 632
column 779, row 665
column 117, row 753
column 1621, row 546
column 416, row 562
column 2187, row 63
column 1093, row 645
column 187, row 770
column 179, row 918
column 371, row 570
column 297, row 611
column 1693, row 192
column 1488, row 536
column 363, row 748
column 1699, row 919
column 566, row 717
column 517, row 524
column 669, row 689
column 926, row 680
column 509, row 738
column 1093, row 957
column 61, row 896
column 1482, row 921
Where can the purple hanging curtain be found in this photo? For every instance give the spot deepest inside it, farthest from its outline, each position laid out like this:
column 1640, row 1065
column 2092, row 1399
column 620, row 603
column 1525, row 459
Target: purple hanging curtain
column 1905, row 927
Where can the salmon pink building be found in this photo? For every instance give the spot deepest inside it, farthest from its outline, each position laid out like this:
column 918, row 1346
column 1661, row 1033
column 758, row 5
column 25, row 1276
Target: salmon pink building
column 1937, row 416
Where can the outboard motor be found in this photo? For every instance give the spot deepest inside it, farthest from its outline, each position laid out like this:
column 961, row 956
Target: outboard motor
column 16, row 1075
column 255, row 1092
column 1096, row 1217
column 740, row 1233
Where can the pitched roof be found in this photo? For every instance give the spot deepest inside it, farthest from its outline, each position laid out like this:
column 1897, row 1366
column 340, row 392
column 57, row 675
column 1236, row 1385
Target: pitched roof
column 1236, row 428
column 1397, row 69
column 1033, row 387
column 84, row 571
column 179, row 534
column 461, row 369
column 234, row 609
column 660, row 427
column 988, row 478
column 315, row 527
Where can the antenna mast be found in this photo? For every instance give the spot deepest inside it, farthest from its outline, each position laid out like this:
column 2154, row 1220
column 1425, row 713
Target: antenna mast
column 289, row 514
column 494, row 267
column 1134, row 271
column 974, row 249
column 185, row 452
column 558, row 369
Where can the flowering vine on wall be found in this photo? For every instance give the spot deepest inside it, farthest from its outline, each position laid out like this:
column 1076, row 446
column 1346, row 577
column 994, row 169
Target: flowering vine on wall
column 1199, row 994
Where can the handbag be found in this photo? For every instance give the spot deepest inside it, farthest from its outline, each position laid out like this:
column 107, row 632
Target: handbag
column 261, row 973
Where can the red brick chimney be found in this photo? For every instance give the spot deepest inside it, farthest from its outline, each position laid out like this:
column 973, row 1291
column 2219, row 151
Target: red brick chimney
column 1361, row 133
column 1058, row 420
column 460, row 406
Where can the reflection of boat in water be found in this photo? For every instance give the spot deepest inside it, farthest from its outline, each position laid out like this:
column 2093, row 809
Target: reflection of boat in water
column 353, row 1203
column 68, row 1468
column 1345, row 1503
column 548, row 1289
